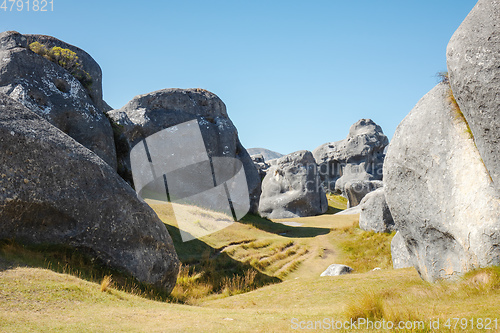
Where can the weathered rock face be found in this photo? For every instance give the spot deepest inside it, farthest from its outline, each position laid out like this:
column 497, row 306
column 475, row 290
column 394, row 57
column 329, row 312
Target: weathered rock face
column 358, row 157
column 400, row 256
column 150, row 113
column 355, row 190
column 440, row 195
column 53, row 93
column 473, row 57
column 375, row 214
column 336, row 269
column 292, row 188
column 260, row 165
column 55, row 191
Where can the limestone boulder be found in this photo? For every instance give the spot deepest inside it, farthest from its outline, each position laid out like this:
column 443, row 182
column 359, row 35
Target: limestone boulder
column 260, row 165
column 292, row 188
column 51, row 92
column 356, row 190
column 442, row 199
column 473, row 58
column 150, row 113
column 336, row 270
column 53, row 190
column 400, row 256
column 375, row 214
column 358, row 157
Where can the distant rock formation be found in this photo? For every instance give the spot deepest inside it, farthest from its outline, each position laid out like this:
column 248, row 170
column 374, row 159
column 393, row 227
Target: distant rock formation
column 56, row 191
column 375, row 214
column 473, row 57
column 50, row 91
column 292, row 188
column 359, row 157
column 147, row 114
column 266, row 153
column 439, row 192
column 260, row 164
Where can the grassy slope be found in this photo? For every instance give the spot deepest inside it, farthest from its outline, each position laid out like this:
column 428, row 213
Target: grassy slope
column 37, row 299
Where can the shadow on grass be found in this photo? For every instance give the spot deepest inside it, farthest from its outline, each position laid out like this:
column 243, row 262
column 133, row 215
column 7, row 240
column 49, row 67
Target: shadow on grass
column 282, row 229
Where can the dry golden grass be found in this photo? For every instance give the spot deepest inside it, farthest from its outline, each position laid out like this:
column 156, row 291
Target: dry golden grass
column 106, row 283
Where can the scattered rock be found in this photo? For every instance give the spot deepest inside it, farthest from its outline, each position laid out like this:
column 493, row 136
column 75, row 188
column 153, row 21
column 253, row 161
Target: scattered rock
column 147, row 114
column 473, row 57
column 375, row 214
column 400, row 256
column 336, row 269
column 358, row 157
column 448, row 225
column 292, row 188
column 350, row 211
column 53, row 93
column 55, row 191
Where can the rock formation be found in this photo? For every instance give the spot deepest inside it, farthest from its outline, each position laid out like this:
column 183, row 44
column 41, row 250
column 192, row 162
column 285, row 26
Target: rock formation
column 292, row 188
column 439, row 192
column 150, row 113
column 355, row 190
column 260, row 165
column 473, row 57
column 400, row 256
column 375, row 214
column 49, row 90
column 56, row 191
column 358, row 157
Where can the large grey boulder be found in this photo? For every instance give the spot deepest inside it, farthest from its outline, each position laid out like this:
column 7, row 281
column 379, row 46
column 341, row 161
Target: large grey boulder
column 292, row 188
column 358, row 157
column 266, row 153
column 336, row 270
column 150, row 113
column 375, row 214
column 55, row 191
column 356, row 190
column 473, row 57
column 439, row 192
column 401, row 258
column 53, row 93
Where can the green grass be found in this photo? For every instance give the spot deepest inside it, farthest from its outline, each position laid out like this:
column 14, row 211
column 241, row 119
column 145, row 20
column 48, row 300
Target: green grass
column 231, row 281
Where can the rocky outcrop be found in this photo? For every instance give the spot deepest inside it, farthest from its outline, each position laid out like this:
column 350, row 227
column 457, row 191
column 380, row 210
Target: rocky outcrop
column 292, row 188
column 400, row 256
column 266, row 153
column 51, row 92
column 358, row 157
column 150, row 113
column 439, row 192
column 375, row 214
column 336, row 269
column 473, row 57
column 260, row 165
column 55, row 191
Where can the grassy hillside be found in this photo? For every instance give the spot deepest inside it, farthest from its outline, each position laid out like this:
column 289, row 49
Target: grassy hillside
column 254, row 276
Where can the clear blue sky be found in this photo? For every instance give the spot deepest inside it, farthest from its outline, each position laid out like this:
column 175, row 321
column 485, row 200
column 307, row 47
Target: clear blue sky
column 293, row 74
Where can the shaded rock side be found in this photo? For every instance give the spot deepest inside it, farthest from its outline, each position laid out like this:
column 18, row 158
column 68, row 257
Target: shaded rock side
column 266, row 153
column 356, row 190
column 55, row 191
column 358, row 157
column 150, row 113
column 375, row 214
column 53, row 93
column 439, row 192
column 473, row 58
column 260, row 165
column 292, row 188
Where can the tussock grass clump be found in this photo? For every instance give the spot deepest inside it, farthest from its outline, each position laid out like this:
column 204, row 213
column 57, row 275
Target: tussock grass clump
column 106, row 283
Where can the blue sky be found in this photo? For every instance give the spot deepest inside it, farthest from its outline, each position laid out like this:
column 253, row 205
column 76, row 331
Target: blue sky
column 293, row 74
